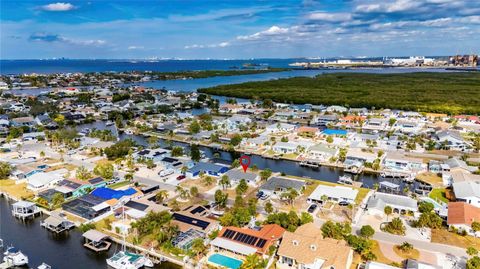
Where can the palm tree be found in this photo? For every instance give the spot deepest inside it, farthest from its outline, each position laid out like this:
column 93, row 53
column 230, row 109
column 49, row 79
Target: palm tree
column 161, row 196
column 198, row 246
column 253, row 261
column 225, row 182
column 289, row 195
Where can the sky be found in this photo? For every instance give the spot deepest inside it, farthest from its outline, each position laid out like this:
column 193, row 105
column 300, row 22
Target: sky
column 237, row 29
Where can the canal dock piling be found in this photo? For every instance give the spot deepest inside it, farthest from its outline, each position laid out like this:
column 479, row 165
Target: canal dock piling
column 25, row 210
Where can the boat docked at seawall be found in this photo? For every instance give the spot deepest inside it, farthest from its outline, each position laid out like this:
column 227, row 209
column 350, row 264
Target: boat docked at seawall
column 128, row 260
column 14, row 257
column 44, row 266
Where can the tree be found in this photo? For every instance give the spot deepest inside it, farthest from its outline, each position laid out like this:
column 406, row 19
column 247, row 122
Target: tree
column 221, row 198
column 475, row 226
column 471, row 251
column 57, row 199
column 153, row 141
column 82, row 173
column 5, row 170
column 473, row 263
column 182, row 193
column 197, row 247
column 194, row 127
column 161, row 196
column 265, row 174
column 242, row 187
column 430, row 220
column 177, row 151
column 236, row 140
column 388, row 211
column 208, row 180
column 395, row 227
column 337, row 230
column 367, row 231
column 405, row 247
column 195, row 153
column 235, row 164
column 224, row 182
column 104, row 170
column 268, row 207
column 194, row 191
column 306, row 218
column 425, row 207
column 290, row 195
column 253, row 261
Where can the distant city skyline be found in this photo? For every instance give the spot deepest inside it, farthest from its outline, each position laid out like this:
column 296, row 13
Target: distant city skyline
column 34, row 29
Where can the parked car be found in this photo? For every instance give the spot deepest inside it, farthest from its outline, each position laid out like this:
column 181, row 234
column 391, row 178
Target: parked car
column 113, row 181
column 166, row 172
column 180, row 177
column 261, row 195
column 311, row 209
column 343, row 203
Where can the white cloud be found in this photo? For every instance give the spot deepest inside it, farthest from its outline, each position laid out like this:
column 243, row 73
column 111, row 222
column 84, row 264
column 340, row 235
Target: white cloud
column 136, row 47
column 270, row 32
column 59, row 6
column 197, row 46
column 330, row 17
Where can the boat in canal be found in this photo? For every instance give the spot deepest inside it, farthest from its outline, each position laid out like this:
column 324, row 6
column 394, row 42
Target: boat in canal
column 346, row 180
column 128, row 260
column 44, row 266
column 14, row 257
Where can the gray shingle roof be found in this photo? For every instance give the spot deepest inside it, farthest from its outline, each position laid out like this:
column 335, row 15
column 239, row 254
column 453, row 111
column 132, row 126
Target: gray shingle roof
column 275, row 183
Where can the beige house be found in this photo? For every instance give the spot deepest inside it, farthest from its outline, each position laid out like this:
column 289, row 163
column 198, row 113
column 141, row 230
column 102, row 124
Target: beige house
column 307, row 249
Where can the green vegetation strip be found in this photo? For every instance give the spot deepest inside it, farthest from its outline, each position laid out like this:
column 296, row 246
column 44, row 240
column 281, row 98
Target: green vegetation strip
column 452, row 93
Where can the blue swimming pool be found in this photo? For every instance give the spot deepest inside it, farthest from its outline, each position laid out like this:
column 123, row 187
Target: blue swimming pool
column 334, row 132
column 33, row 172
column 225, row 261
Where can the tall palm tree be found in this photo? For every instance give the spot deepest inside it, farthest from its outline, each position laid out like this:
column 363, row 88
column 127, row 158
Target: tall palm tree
column 225, row 182
column 253, row 261
column 161, row 196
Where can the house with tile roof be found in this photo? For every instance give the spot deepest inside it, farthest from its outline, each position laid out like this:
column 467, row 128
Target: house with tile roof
column 461, row 216
column 246, row 241
column 306, row 248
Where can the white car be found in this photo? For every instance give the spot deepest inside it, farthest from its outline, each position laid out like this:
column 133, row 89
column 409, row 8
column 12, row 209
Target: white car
column 166, row 172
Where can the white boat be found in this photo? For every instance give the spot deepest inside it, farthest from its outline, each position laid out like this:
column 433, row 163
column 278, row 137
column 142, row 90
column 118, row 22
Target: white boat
column 128, row 131
column 128, row 260
column 1, row 243
column 109, row 123
column 44, row 266
column 14, row 257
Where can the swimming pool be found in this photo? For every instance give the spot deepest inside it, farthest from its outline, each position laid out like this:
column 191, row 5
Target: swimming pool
column 33, row 172
column 334, row 132
column 225, row 261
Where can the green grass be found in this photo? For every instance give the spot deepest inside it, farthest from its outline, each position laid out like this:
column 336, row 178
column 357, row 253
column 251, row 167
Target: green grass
column 426, row 92
column 438, row 195
column 119, row 184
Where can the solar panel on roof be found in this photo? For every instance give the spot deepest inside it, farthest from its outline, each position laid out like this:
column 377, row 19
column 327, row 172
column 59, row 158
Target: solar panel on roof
column 95, row 180
column 261, row 243
column 136, row 205
column 198, row 209
column 229, row 234
column 192, row 221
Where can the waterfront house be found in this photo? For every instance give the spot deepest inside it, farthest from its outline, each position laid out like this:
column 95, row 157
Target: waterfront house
column 356, row 158
column 333, row 193
column 277, row 185
column 57, row 223
column 42, row 180
column 399, row 162
column 229, row 108
column 151, row 154
column 28, row 122
column 207, row 168
column 76, row 188
column 235, row 121
column 192, row 226
column 306, row 248
column 236, row 175
column 400, row 204
column 246, row 241
column 376, row 125
column 467, row 191
column 46, row 121
column 323, row 120
column 285, row 147
column 255, row 142
column 321, row 152
column 461, row 216
column 88, row 206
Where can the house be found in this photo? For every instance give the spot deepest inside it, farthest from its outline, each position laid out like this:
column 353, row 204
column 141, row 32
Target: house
column 452, row 140
column 207, row 168
column 284, row 147
column 33, row 136
column 357, row 157
column 186, row 220
column 408, row 126
column 375, row 124
column 351, row 121
column 77, row 188
column 280, row 127
column 461, row 216
column 333, row 193
column 306, row 248
column 323, row 120
column 46, row 121
column 399, row 204
column 42, row 180
column 468, row 192
column 414, row 264
column 399, row 162
column 308, row 131
column 229, row 108
column 23, row 122
column 236, row 175
column 322, row 152
column 235, row 121
column 338, row 109
column 246, row 241
column 278, row 185
column 151, row 154
column 88, row 206
column 256, row 142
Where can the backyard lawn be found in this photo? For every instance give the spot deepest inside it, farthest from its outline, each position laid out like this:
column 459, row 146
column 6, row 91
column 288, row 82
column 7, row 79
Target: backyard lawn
column 443, row 236
column 17, row 191
column 120, row 184
column 438, row 195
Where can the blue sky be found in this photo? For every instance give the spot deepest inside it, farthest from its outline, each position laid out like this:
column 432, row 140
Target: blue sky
column 198, row 29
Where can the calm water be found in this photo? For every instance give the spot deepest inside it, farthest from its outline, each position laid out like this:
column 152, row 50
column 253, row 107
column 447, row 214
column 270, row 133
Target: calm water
column 60, row 252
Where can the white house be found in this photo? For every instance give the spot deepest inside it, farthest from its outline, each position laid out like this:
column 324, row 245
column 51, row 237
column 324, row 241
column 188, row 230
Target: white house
column 399, row 162
column 468, row 192
column 321, row 152
column 43, row 180
column 400, row 204
column 280, row 127
column 333, row 193
column 285, row 147
column 452, row 140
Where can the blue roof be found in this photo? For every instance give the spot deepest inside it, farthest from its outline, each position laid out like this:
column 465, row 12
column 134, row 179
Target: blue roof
column 108, row 194
column 208, row 167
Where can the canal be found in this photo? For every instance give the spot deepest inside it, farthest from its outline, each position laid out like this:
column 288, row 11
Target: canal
column 59, row 251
